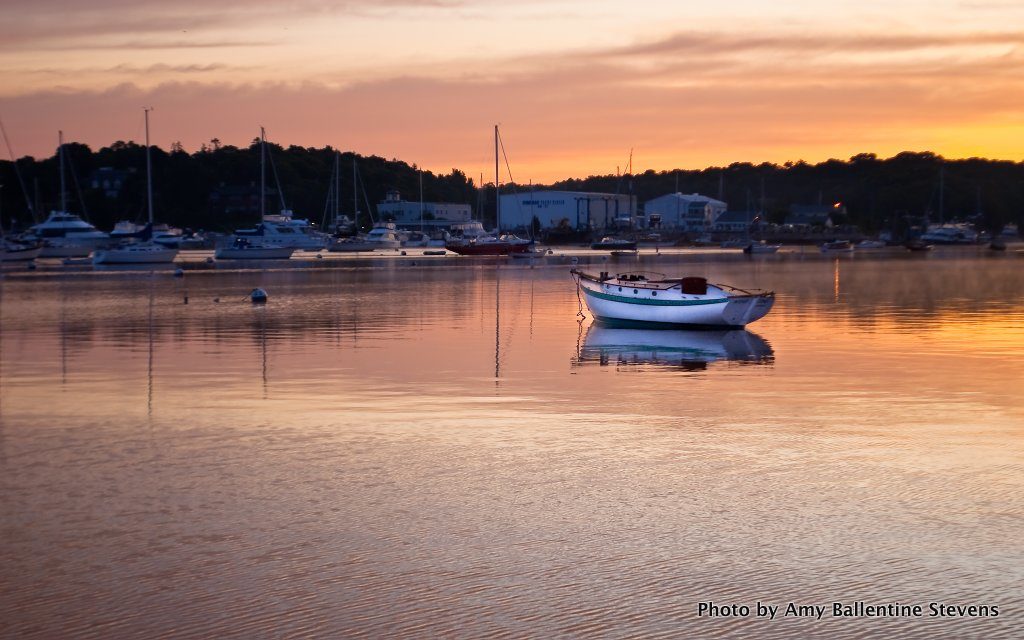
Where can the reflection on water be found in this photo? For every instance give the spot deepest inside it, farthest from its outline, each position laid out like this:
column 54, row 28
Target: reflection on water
column 404, row 451
column 691, row 350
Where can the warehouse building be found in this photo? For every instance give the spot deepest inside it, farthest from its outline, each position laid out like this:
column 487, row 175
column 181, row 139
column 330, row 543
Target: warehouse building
column 582, row 210
column 430, row 214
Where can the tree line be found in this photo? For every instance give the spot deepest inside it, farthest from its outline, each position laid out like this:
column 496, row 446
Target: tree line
column 875, row 193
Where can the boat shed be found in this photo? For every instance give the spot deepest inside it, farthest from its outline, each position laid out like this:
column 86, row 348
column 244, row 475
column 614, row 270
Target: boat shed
column 428, row 214
column 685, row 212
column 582, row 210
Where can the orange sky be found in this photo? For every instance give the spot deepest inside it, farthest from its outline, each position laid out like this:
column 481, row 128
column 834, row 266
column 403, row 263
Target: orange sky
column 575, row 85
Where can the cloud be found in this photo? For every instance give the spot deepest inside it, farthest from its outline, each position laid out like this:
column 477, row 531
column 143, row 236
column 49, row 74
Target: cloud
column 72, row 24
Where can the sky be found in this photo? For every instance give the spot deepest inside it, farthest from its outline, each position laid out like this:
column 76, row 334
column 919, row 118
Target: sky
column 577, row 86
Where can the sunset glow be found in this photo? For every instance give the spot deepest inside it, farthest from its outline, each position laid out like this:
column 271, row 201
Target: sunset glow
column 576, row 85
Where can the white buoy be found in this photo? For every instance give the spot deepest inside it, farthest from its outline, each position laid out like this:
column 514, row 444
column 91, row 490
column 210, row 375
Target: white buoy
column 258, row 296
column 179, row 273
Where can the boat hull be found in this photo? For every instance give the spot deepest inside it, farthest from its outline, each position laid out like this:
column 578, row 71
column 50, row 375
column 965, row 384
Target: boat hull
column 254, row 253
column 19, row 255
column 488, row 248
column 153, row 255
column 619, row 303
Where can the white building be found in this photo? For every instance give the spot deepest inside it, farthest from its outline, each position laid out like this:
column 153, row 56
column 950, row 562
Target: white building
column 684, row 212
column 581, row 209
column 432, row 214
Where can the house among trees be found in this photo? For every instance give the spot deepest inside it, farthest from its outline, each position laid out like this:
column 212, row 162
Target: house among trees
column 683, row 212
column 814, row 216
column 109, row 180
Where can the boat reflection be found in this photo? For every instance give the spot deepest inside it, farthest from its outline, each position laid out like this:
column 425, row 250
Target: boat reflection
column 685, row 349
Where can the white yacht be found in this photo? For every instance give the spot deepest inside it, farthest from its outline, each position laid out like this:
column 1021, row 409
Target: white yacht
column 384, row 235
column 297, row 233
column 65, row 235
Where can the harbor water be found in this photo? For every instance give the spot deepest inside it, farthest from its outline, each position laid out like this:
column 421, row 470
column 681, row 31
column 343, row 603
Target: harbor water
column 403, row 450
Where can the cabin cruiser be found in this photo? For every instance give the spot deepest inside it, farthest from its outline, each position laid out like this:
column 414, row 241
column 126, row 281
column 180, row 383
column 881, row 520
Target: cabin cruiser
column 297, row 233
column 949, row 234
column 384, row 235
column 65, row 235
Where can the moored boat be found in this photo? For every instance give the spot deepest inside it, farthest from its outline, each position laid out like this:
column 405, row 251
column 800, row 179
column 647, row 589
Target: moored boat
column 761, row 247
column 679, row 347
column 837, row 246
column 651, row 299
column 610, row 243
column 18, row 251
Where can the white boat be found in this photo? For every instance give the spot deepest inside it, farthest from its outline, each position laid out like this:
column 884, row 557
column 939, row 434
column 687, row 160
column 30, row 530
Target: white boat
column 63, row 234
column 641, row 299
column 297, row 233
column 18, row 251
column 138, row 248
column 870, row 244
column 949, row 234
column 252, row 244
column 679, row 348
column 138, row 253
column 242, row 249
column 382, row 236
column 761, row 247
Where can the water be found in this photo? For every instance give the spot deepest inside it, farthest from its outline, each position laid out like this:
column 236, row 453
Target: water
column 417, row 451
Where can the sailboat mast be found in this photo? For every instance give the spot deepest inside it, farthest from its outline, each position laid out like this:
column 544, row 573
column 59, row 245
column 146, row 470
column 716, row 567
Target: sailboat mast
column 60, row 161
column 149, row 170
column 497, row 190
column 421, row 200
column 337, row 185
column 355, row 195
column 263, row 173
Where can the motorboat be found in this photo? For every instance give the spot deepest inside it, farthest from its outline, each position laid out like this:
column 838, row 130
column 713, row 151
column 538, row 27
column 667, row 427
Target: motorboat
column 837, row 246
column 242, row 248
column 64, row 235
column 761, row 247
column 11, row 251
column 503, row 245
column 949, row 234
column 135, row 253
column 604, row 345
column 649, row 299
column 918, row 245
column 610, row 243
column 870, row 244
column 383, row 235
column 297, row 233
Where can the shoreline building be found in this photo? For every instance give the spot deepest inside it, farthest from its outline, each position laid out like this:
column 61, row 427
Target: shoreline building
column 683, row 212
column 582, row 210
column 429, row 215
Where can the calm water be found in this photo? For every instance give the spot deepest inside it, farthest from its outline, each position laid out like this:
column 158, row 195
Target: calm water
column 418, row 451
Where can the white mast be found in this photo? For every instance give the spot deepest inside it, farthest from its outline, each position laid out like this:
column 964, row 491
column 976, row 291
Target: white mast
column 149, row 169
column 421, row 199
column 337, row 186
column 497, row 191
column 60, row 156
column 263, row 173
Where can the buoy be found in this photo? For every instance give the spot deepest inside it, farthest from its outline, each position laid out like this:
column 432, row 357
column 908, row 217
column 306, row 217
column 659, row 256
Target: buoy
column 319, row 257
column 216, row 299
column 403, row 253
column 575, row 260
column 179, row 273
column 186, row 299
column 31, row 265
column 209, row 260
column 258, row 296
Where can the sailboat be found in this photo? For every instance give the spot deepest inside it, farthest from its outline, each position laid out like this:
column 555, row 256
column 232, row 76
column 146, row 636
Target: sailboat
column 250, row 244
column 146, row 251
column 500, row 245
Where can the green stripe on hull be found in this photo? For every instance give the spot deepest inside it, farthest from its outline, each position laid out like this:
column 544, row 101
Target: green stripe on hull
column 652, row 301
